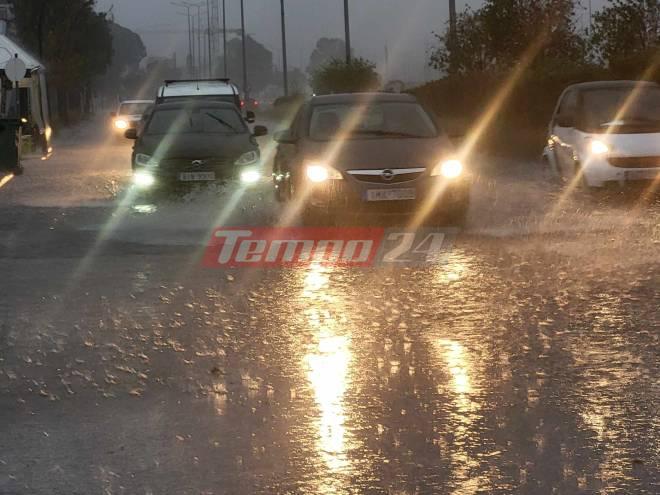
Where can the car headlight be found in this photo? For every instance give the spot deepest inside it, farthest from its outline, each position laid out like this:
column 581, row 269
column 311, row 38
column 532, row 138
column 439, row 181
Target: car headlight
column 450, row 169
column 121, row 124
column 145, row 160
column 250, row 176
column 249, row 158
column 318, row 172
column 143, row 179
column 598, row 147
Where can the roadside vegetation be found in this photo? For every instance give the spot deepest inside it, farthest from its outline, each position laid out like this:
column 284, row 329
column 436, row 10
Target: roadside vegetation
column 516, row 56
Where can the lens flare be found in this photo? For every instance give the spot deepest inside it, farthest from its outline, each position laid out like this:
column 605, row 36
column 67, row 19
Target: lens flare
column 143, row 179
column 250, row 176
column 121, row 124
column 451, row 169
column 317, row 173
column 598, row 147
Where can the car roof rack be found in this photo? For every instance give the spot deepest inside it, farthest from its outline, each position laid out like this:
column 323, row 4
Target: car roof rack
column 172, row 81
column 226, row 80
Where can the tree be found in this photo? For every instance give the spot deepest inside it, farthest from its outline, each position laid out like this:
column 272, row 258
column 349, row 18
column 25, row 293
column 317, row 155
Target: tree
column 72, row 39
column 123, row 78
column 625, row 34
column 500, row 33
column 326, row 50
column 259, row 63
column 337, row 76
column 467, row 51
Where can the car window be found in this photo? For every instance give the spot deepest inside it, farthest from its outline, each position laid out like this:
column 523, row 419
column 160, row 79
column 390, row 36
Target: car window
column 568, row 106
column 616, row 109
column 199, row 120
column 375, row 119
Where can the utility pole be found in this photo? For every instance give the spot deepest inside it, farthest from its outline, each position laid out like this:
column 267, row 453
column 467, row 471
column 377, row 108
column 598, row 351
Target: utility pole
column 347, row 27
column 245, row 71
column 224, row 38
column 452, row 33
column 199, row 40
column 285, row 68
column 190, row 59
column 208, row 35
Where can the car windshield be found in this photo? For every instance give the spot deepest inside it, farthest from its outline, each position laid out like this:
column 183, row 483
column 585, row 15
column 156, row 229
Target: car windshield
column 374, row 120
column 196, row 121
column 621, row 109
column 133, row 108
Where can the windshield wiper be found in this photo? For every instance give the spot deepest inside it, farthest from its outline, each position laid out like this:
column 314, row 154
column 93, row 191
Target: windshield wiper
column 218, row 119
column 385, row 133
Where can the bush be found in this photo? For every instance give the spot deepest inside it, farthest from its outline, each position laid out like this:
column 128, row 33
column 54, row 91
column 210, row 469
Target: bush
column 461, row 100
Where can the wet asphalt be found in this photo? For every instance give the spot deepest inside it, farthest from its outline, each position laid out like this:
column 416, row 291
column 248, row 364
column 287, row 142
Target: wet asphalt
column 527, row 363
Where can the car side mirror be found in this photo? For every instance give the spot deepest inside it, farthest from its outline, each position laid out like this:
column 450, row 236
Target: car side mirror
column 113, row 114
column 250, row 117
column 284, row 137
column 566, row 120
column 131, row 134
column 260, row 130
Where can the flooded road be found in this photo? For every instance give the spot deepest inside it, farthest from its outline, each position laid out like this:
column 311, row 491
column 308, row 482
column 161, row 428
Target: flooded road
column 527, row 363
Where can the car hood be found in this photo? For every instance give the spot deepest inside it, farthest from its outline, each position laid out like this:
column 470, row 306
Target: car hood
column 195, row 146
column 379, row 153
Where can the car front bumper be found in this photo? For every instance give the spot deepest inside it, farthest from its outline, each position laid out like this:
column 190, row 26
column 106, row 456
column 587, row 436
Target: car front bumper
column 600, row 171
column 432, row 193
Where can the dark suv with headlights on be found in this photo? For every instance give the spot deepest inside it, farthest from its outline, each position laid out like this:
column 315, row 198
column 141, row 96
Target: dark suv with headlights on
column 195, row 141
column 370, row 152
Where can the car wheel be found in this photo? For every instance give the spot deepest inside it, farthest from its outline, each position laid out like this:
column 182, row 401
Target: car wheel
column 280, row 193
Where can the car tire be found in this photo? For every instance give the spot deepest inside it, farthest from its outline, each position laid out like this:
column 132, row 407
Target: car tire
column 280, row 192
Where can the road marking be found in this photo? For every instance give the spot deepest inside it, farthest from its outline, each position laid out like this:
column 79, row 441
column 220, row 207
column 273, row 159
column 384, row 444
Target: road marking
column 6, row 179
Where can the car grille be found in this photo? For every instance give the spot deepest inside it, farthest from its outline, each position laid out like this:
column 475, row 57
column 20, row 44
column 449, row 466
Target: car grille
column 387, row 176
column 186, row 165
column 635, row 161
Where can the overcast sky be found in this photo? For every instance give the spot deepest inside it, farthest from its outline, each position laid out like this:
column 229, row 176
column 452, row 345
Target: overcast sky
column 404, row 26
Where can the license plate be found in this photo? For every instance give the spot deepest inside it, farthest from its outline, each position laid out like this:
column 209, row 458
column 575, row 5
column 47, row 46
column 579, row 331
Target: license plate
column 642, row 174
column 196, row 176
column 390, row 194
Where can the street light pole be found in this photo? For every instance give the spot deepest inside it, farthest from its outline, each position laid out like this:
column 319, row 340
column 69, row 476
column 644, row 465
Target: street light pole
column 347, row 26
column 199, row 40
column 285, row 68
column 208, row 35
column 245, row 71
column 190, row 60
column 224, row 38
column 452, row 33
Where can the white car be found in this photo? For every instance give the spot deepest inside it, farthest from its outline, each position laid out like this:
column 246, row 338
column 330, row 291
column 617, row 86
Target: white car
column 129, row 114
column 606, row 132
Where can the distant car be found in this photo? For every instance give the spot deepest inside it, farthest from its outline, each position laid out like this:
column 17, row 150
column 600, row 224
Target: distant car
column 129, row 114
column 251, row 104
column 195, row 141
column 373, row 152
column 606, row 132
column 202, row 89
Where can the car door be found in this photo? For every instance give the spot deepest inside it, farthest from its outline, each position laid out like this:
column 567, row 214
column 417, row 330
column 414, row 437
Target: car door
column 563, row 133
